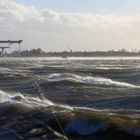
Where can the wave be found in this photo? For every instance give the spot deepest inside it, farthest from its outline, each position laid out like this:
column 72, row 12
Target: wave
column 4, row 70
column 82, row 121
column 82, row 127
column 89, row 80
column 18, row 98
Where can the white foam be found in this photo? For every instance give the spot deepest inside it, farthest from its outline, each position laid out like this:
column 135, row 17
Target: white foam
column 89, row 79
column 24, row 100
column 56, row 76
column 6, row 70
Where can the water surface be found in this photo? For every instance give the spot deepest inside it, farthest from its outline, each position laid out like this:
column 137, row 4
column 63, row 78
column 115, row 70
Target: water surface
column 92, row 98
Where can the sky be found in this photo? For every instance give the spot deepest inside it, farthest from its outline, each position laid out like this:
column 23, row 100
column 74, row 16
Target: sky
column 78, row 25
column 122, row 7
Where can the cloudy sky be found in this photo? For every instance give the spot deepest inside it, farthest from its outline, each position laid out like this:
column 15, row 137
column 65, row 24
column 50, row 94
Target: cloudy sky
column 58, row 25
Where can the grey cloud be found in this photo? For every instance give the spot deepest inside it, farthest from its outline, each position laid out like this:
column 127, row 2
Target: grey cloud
column 31, row 23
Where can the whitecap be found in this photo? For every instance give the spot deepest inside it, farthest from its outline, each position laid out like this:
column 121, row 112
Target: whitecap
column 89, row 79
column 14, row 98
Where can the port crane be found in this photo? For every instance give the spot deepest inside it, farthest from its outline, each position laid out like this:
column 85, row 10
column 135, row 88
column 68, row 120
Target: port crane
column 10, row 42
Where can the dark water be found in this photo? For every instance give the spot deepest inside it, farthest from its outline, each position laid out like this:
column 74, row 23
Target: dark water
column 75, row 98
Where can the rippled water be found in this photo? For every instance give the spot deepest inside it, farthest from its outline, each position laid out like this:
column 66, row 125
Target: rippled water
column 91, row 98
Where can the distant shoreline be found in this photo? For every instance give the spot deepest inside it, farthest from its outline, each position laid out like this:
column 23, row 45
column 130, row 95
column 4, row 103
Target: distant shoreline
column 40, row 53
column 50, row 56
column 121, row 58
column 132, row 55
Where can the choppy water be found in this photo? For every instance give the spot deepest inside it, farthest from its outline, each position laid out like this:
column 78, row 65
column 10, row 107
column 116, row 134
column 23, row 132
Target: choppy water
column 90, row 98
